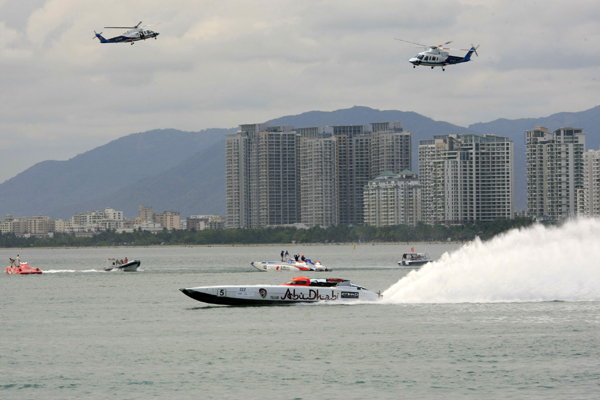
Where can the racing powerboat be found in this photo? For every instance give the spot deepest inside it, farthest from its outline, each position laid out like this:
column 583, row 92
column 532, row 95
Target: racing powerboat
column 289, row 265
column 130, row 266
column 414, row 260
column 299, row 290
column 23, row 269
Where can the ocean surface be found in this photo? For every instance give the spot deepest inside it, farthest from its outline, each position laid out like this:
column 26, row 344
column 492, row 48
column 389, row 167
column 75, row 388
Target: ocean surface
column 79, row 332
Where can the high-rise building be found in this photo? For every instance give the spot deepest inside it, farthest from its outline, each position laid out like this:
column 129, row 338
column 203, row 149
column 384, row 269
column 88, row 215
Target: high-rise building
column 241, row 174
column 279, row 176
column 589, row 199
column 318, row 179
column 393, row 199
column 262, row 173
column 353, row 169
column 554, row 171
column 466, row 178
column 390, row 148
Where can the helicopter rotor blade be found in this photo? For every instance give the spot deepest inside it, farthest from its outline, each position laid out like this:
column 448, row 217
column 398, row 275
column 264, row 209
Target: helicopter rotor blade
column 441, row 45
column 119, row 27
column 448, row 48
column 407, row 41
column 157, row 23
column 139, row 23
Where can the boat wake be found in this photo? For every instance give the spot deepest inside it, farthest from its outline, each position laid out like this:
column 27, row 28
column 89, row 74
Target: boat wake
column 526, row 265
column 62, row 271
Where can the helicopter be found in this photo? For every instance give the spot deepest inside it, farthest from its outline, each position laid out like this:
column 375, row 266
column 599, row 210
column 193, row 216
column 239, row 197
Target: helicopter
column 134, row 34
column 438, row 56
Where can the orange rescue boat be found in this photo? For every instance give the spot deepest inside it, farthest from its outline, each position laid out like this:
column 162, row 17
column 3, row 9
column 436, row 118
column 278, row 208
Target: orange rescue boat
column 23, row 269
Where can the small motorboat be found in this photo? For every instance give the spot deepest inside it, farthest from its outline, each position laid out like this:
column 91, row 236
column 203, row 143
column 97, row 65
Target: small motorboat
column 299, row 290
column 129, row 266
column 23, row 269
column 414, row 260
column 290, row 265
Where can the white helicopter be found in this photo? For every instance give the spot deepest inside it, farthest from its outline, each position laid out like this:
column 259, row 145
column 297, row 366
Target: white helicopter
column 134, row 34
column 438, row 56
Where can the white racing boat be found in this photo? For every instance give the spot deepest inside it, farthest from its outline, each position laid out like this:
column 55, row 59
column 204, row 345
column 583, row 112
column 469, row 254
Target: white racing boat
column 116, row 265
column 414, row 260
column 299, row 290
column 289, row 265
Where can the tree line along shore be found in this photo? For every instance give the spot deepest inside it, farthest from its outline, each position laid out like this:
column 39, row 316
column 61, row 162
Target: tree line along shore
column 279, row 235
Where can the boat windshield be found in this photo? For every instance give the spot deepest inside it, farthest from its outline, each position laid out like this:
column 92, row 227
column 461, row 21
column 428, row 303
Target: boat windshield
column 298, row 281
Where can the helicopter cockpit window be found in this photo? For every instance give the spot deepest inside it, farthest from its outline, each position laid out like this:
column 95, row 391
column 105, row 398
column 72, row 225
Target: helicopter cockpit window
column 419, row 57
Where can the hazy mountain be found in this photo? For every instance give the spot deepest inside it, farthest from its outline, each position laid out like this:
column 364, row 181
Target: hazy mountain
column 195, row 185
column 185, row 171
column 62, row 188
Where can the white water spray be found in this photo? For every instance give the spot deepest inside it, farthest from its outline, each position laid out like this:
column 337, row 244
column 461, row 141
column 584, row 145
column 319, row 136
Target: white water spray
column 531, row 264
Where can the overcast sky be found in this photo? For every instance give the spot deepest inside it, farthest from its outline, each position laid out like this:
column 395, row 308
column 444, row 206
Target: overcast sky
column 222, row 63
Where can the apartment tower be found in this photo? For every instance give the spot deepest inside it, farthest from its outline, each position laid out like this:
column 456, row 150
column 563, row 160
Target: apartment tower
column 555, row 171
column 466, row 178
column 390, row 148
column 262, row 176
column 318, row 176
column 393, row 199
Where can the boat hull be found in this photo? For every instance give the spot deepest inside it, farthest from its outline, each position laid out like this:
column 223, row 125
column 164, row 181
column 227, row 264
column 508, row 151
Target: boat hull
column 131, row 266
column 296, row 266
column 23, row 269
column 277, row 295
column 412, row 264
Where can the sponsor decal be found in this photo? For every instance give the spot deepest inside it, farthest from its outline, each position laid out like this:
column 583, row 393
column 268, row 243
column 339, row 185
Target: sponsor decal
column 312, row 295
column 349, row 295
column 263, row 293
column 245, row 292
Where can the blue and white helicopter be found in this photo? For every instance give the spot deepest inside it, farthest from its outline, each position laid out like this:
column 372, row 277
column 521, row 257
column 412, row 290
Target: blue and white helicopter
column 134, row 34
column 439, row 56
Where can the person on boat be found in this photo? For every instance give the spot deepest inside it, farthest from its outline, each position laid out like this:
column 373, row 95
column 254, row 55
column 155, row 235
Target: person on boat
column 125, row 260
column 18, row 261
column 302, row 258
column 287, row 255
column 296, row 257
column 282, row 255
column 12, row 261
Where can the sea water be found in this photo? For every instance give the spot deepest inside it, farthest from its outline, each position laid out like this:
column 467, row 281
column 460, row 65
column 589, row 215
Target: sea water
column 515, row 317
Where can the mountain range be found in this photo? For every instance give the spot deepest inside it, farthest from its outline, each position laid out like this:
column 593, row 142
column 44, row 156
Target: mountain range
column 185, row 171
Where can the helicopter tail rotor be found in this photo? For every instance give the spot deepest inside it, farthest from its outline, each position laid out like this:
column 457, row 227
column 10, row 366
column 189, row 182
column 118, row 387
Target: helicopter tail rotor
column 475, row 49
column 99, row 36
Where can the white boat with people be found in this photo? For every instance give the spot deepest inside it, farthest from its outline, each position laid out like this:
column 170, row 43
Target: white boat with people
column 122, row 265
column 414, row 260
column 289, row 265
column 299, row 290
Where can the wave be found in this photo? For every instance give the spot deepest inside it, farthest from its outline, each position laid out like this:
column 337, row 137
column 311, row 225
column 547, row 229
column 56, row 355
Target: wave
column 61, row 271
column 530, row 264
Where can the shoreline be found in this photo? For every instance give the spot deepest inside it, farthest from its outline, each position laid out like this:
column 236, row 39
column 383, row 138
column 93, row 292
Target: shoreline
column 238, row 245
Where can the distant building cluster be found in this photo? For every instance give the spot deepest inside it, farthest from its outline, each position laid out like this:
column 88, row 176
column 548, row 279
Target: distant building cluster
column 91, row 223
column 279, row 175
column 360, row 174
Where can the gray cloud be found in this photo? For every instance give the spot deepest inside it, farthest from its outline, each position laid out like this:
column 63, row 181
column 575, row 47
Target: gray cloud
column 221, row 63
